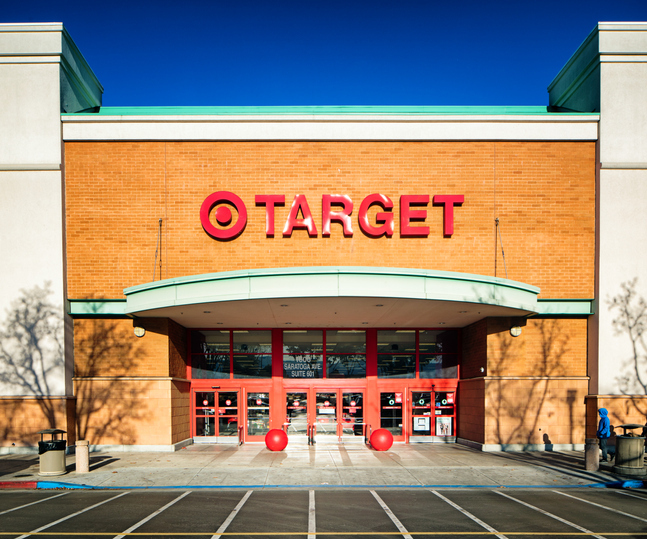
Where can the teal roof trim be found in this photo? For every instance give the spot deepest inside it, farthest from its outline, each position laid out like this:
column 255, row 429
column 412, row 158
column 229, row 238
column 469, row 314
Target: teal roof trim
column 331, row 282
column 321, row 110
column 565, row 307
column 97, row 308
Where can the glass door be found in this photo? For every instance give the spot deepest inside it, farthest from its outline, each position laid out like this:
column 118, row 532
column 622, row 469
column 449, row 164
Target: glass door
column 216, row 416
column 421, row 416
column 391, row 413
column 326, row 414
column 258, row 414
column 445, row 413
column 352, row 415
column 296, row 406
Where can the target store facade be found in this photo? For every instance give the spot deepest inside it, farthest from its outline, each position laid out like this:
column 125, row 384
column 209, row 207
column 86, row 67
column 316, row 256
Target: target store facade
column 221, row 271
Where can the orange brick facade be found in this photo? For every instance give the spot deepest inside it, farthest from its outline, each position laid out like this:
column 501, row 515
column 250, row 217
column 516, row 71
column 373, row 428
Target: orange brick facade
column 542, row 192
column 528, row 390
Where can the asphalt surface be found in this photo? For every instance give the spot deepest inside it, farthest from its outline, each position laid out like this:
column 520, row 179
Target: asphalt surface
column 312, row 513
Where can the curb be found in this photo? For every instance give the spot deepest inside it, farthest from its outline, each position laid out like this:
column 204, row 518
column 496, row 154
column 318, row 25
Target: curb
column 57, row 485
column 18, row 485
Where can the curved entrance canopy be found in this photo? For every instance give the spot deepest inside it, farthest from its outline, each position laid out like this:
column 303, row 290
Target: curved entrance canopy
column 331, row 297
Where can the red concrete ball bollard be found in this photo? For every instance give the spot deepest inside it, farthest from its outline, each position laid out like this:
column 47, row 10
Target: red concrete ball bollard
column 276, row 440
column 381, row 440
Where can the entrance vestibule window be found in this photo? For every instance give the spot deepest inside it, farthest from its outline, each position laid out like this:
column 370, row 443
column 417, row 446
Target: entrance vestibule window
column 324, row 354
column 432, row 354
column 225, row 354
column 303, row 354
column 345, row 354
column 438, row 354
column 210, row 354
column 396, row 353
column 252, row 354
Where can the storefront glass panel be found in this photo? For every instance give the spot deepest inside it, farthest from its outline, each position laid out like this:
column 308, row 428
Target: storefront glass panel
column 252, row 366
column 210, row 354
column 346, row 366
column 396, row 357
column 396, row 366
column 438, row 354
column 303, row 354
column 345, row 354
column 438, row 365
column 252, row 354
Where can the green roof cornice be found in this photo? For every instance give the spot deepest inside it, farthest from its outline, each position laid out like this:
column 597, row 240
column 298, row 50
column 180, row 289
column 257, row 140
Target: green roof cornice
column 322, row 110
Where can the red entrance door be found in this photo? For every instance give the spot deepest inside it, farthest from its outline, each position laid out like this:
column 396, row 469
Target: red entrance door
column 335, row 413
column 215, row 415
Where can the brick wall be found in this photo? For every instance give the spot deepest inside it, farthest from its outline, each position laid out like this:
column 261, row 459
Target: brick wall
column 22, row 417
column 542, row 192
column 535, row 411
column 124, row 411
column 537, row 382
column 546, row 347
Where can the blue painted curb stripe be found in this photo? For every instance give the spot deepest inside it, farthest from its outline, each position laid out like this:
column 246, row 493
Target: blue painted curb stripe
column 49, row 485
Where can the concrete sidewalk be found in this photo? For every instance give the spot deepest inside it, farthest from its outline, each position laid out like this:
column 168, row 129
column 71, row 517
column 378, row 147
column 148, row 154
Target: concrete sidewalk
column 353, row 465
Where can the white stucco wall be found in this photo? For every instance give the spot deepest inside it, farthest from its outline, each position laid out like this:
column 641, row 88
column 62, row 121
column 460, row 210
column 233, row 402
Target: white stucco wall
column 623, row 202
column 40, row 70
column 623, row 258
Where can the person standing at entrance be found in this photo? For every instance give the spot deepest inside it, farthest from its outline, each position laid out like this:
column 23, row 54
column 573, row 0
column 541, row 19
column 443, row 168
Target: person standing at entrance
column 604, row 432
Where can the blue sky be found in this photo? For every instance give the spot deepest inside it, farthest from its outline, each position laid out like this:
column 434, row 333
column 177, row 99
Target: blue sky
column 311, row 52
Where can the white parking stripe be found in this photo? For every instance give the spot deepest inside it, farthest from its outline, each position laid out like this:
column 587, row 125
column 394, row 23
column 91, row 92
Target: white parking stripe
column 630, row 495
column 71, row 516
column 232, row 515
column 149, row 517
column 33, row 503
column 470, row 515
column 568, row 523
column 602, row 506
column 312, row 527
column 393, row 518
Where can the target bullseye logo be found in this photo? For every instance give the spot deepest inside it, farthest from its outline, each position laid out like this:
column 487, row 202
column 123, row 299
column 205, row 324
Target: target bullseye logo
column 223, row 215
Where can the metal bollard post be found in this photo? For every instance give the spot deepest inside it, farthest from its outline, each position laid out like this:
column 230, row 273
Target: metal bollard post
column 82, row 456
column 592, row 455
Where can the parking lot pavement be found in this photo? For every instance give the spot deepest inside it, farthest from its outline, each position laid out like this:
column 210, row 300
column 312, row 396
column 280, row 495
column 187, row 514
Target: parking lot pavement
column 311, row 513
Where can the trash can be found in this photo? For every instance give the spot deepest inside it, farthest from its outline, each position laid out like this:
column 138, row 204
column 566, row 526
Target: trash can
column 51, row 453
column 630, row 453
